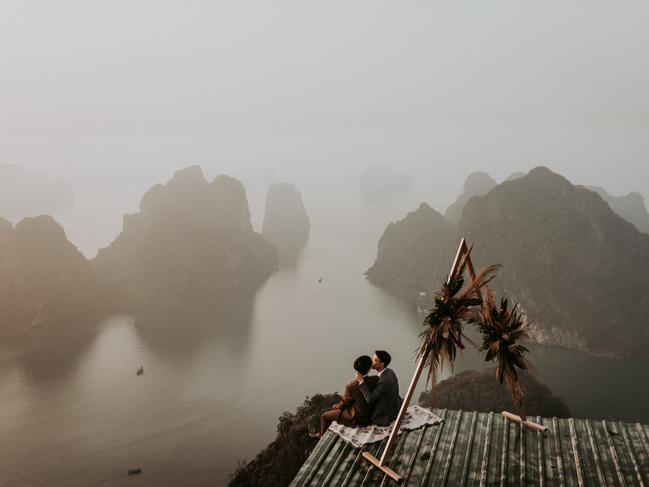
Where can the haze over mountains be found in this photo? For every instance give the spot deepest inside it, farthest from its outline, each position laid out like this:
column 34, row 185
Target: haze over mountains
column 192, row 239
column 577, row 268
column 191, row 242
column 631, row 207
column 170, row 250
column 43, row 277
column 286, row 223
column 27, row 192
column 476, row 184
column 113, row 98
column 381, row 183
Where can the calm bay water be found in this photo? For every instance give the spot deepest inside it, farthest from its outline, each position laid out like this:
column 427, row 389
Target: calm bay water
column 216, row 378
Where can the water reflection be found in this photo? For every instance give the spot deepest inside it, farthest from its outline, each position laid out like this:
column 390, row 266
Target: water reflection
column 51, row 351
column 289, row 262
column 180, row 330
column 70, row 396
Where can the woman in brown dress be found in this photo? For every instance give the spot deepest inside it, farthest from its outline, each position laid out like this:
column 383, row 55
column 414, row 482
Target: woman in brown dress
column 353, row 410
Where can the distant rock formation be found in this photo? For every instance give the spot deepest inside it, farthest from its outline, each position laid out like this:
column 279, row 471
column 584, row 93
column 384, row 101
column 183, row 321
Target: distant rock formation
column 382, row 183
column 27, row 192
column 269, row 178
column 278, row 463
column 577, row 268
column 43, row 277
column 414, row 255
column 481, row 391
column 190, row 241
column 477, row 184
column 631, row 207
column 515, row 176
column 286, row 223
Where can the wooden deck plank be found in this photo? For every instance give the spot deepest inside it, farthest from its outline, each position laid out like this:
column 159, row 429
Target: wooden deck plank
column 420, row 460
column 470, row 449
column 314, row 459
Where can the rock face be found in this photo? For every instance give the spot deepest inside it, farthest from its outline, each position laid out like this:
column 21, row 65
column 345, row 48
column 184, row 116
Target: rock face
column 190, row 241
column 43, row 277
column 630, row 207
column 477, row 184
column 381, row 183
column 480, row 391
column 577, row 268
column 279, row 462
column 27, row 193
column 414, row 254
column 286, row 223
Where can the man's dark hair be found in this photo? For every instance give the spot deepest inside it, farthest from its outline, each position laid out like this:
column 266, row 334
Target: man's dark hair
column 363, row 364
column 384, row 357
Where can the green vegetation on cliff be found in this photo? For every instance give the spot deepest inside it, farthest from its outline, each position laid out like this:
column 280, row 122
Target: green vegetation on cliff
column 480, row 391
column 414, row 255
column 278, row 463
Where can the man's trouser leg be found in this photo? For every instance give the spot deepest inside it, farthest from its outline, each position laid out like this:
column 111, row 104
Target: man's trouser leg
column 326, row 419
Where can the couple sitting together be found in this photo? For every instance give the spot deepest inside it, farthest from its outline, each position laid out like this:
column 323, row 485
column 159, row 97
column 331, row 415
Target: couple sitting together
column 368, row 399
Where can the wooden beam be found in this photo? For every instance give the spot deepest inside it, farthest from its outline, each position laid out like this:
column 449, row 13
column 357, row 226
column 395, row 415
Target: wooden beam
column 528, row 424
column 462, row 250
column 404, row 406
column 386, row 470
column 469, row 262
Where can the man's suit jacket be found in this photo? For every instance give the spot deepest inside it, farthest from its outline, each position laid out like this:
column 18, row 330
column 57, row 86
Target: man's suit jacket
column 384, row 399
column 354, row 409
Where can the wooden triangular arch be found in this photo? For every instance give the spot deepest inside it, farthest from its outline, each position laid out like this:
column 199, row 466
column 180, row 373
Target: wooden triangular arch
column 463, row 251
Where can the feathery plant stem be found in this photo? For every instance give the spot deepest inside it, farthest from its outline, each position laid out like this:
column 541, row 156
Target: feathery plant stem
column 458, row 304
column 502, row 328
column 453, row 307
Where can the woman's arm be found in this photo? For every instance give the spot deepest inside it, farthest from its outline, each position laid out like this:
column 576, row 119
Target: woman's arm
column 373, row 396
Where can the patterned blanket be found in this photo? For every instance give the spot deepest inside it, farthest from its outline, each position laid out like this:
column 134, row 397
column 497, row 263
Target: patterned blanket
column 415, row 417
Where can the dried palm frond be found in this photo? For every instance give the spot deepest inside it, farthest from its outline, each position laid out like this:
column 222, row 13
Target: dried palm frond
column 452, row 309
column 502, row 329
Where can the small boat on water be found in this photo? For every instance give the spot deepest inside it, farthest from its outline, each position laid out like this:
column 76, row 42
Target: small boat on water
column 140, row 371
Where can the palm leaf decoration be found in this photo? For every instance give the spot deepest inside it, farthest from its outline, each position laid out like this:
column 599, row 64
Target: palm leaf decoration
column 453, row 307
column 502, row 328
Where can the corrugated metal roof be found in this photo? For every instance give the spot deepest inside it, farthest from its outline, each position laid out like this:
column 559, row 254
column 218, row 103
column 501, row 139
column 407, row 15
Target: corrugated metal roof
column 470, row 448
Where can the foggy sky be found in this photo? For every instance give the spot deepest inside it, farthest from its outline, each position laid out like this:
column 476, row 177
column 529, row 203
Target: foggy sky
column 131, row 90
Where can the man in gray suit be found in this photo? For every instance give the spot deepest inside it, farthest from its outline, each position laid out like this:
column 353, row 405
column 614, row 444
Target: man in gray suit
column 384, row 399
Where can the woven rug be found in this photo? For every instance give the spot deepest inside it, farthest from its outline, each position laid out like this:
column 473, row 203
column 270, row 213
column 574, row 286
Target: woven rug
column 415, row 418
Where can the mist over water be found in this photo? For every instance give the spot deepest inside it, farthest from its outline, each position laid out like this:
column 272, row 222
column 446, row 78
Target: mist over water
column 217, row 377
